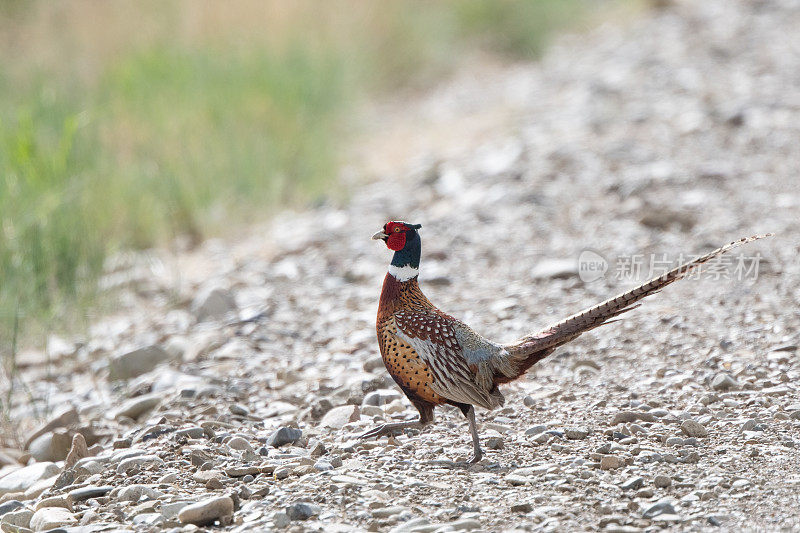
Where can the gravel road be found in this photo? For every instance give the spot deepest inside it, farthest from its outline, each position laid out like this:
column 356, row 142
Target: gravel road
column 226, row 389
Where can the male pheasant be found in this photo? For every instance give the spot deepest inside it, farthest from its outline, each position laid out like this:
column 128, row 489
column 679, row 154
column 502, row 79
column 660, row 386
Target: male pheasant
column 436, row 359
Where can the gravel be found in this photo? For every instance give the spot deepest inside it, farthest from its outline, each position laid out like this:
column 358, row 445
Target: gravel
column 670, row 133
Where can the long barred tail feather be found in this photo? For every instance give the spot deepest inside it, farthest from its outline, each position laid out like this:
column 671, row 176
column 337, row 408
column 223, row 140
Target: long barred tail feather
column 525, row 352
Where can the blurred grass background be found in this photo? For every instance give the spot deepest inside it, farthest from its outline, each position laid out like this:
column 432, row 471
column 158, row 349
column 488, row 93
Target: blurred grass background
column 125, row 124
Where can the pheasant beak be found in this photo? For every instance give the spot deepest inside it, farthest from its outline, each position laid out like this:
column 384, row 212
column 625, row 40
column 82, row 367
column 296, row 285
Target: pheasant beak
column 380, row 236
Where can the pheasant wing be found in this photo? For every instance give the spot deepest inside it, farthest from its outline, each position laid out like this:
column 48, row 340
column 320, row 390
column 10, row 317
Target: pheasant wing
column 435, row 338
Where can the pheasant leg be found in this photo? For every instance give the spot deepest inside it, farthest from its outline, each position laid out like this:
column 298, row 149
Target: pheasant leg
column 473, row 430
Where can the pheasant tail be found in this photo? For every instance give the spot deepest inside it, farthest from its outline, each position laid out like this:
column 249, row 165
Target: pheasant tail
column 527, row 351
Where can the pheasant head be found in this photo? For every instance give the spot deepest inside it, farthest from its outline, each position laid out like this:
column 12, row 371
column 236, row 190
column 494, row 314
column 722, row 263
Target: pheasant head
column 403, row 239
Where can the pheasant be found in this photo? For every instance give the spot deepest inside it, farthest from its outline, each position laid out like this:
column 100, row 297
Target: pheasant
column 437, row 359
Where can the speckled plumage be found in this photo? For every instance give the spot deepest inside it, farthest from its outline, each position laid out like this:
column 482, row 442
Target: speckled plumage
column 436, row 359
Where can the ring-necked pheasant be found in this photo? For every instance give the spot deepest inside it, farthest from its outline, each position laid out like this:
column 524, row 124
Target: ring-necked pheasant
column 436, row 359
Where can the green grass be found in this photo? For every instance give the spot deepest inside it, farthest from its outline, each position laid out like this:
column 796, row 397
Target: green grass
column 176, row 136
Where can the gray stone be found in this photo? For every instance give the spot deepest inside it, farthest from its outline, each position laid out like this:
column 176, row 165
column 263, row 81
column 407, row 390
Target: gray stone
column 238, row 409
column 214, row 304
column 610, row 462
column 171, row 510
column 281, row 519
column 465, row 524
column 284, row 435
column 381, row 396
column 385, row 512
column 137, row 362
column 660, row 507
column 633, row 483
column 134, row 493
column 662, row 481
column 141, row 461
column 576, row 433
column 693, row 428
column 535, row 430
column 148, row 519
column 495, row 443
column 239, row 444
column 724, row 381
column 11, row 505
column 50, row 518
column 302, row 511
column 86, row 493
column 195, row 432
column 323, row 466
column 624, row 417
column 24, row 478
column 206, row 511
column 136, row 407
column 521, row 508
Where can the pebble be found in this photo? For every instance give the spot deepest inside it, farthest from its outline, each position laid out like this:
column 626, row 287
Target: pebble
column 661, row 481
column 141, row 461
column 535, row 430
column 284, row 435
column 723, row 382
column 216, row 303
column 194, row 432
column 610, row 462
column 54, row 501
column 338, row 417
column 576, row 433
column 522, row 508
column 625, row 417
column 302, row 511
column 385, row 512
column 658, row 508
column 495, row 443
column 206, row 511
column 633, row 483
column 238, row 409
column 50, row 518
column 239, row 444
column 89, row 492
column 19, row 518
column 136, row 407
column 692, row 428
column 467, row 524
column 137, row 362
column 24, row 478
column 134, row 493
column 11, row 505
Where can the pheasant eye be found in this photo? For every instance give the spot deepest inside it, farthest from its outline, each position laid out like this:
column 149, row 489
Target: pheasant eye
column 397, row 229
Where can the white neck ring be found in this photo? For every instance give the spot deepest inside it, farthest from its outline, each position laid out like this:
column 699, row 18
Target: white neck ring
column 403, row 273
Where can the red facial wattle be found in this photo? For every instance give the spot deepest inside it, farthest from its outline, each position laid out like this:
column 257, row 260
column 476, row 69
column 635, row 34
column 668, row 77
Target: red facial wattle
column 396, row 240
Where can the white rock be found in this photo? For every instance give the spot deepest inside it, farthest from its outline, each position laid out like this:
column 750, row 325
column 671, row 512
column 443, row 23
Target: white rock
column 206, row 511
column 337, row 417
column 50, row 518
column 24, row 478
